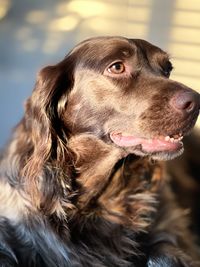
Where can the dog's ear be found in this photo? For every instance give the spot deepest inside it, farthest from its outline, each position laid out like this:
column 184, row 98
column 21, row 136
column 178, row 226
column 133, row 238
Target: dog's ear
column 42, row 122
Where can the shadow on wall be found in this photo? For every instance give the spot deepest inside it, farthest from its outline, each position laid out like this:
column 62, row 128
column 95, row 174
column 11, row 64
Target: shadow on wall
column 35, row 33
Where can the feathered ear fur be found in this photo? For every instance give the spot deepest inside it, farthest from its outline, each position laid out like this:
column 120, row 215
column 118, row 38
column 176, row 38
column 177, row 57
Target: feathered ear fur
column 43, row 123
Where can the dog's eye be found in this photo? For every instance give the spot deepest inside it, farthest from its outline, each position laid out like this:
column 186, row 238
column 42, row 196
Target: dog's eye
column 167, row 69
column 116, row 68
column 166, row 73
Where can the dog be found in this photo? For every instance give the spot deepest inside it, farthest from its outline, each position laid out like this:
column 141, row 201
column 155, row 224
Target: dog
column 82, row 179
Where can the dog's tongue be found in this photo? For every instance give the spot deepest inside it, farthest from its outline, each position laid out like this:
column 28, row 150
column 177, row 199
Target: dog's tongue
column 148, row 145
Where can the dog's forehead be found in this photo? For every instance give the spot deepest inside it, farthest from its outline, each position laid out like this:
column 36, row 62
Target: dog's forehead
column 104, row 48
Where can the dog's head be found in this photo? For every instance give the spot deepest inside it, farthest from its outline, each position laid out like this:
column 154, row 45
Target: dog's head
column 119, row 90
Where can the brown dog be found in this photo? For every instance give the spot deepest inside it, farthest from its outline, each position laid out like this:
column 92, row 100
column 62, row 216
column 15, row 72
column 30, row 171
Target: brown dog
column 77, row 186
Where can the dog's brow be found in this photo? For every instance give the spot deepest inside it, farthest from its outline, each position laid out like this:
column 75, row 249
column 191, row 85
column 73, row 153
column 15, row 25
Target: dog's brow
column 98, row 59
column 120, row 51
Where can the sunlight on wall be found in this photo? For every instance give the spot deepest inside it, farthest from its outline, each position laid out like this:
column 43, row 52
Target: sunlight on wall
column 83, row 8
column 185, row 34
column 4, row 7
column 188, row 5
column 100, row 17
column 186, row 51
column 187, row 18
column 66, row 23
column 108, row 10
column 105, row 26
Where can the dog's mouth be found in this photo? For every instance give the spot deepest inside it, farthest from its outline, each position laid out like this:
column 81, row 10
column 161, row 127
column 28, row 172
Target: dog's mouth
column 149, row 145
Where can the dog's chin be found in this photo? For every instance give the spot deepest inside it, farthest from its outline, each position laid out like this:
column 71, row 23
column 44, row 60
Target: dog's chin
column 156, row 148
column 167, row 155
column 161, row 155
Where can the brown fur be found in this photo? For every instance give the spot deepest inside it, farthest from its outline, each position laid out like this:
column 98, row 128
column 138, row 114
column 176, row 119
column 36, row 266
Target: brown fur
column 78, row 198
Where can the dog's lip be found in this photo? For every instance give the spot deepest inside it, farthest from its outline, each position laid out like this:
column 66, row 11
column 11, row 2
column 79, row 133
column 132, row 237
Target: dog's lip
column 149, row 145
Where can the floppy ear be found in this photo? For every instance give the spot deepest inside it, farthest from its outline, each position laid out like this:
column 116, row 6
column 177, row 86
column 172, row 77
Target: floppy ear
column 42, row 121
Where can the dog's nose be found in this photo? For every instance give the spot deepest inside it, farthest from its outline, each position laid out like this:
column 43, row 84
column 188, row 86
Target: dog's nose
column 185, row 101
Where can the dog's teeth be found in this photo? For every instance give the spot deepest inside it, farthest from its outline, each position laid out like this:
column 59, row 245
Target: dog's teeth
column 175, row 139
column 167, row 138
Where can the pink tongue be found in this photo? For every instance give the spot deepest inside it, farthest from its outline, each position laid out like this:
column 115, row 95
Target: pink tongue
column 148, row 145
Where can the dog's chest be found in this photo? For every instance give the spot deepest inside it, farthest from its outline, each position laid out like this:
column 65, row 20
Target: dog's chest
column 114, row 221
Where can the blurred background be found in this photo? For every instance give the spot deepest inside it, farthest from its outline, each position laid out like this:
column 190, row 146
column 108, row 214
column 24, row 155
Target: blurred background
column 34, row 33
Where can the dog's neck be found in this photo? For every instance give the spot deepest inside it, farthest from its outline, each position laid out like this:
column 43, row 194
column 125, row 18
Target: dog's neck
column 94, row 163
column 111, row 185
